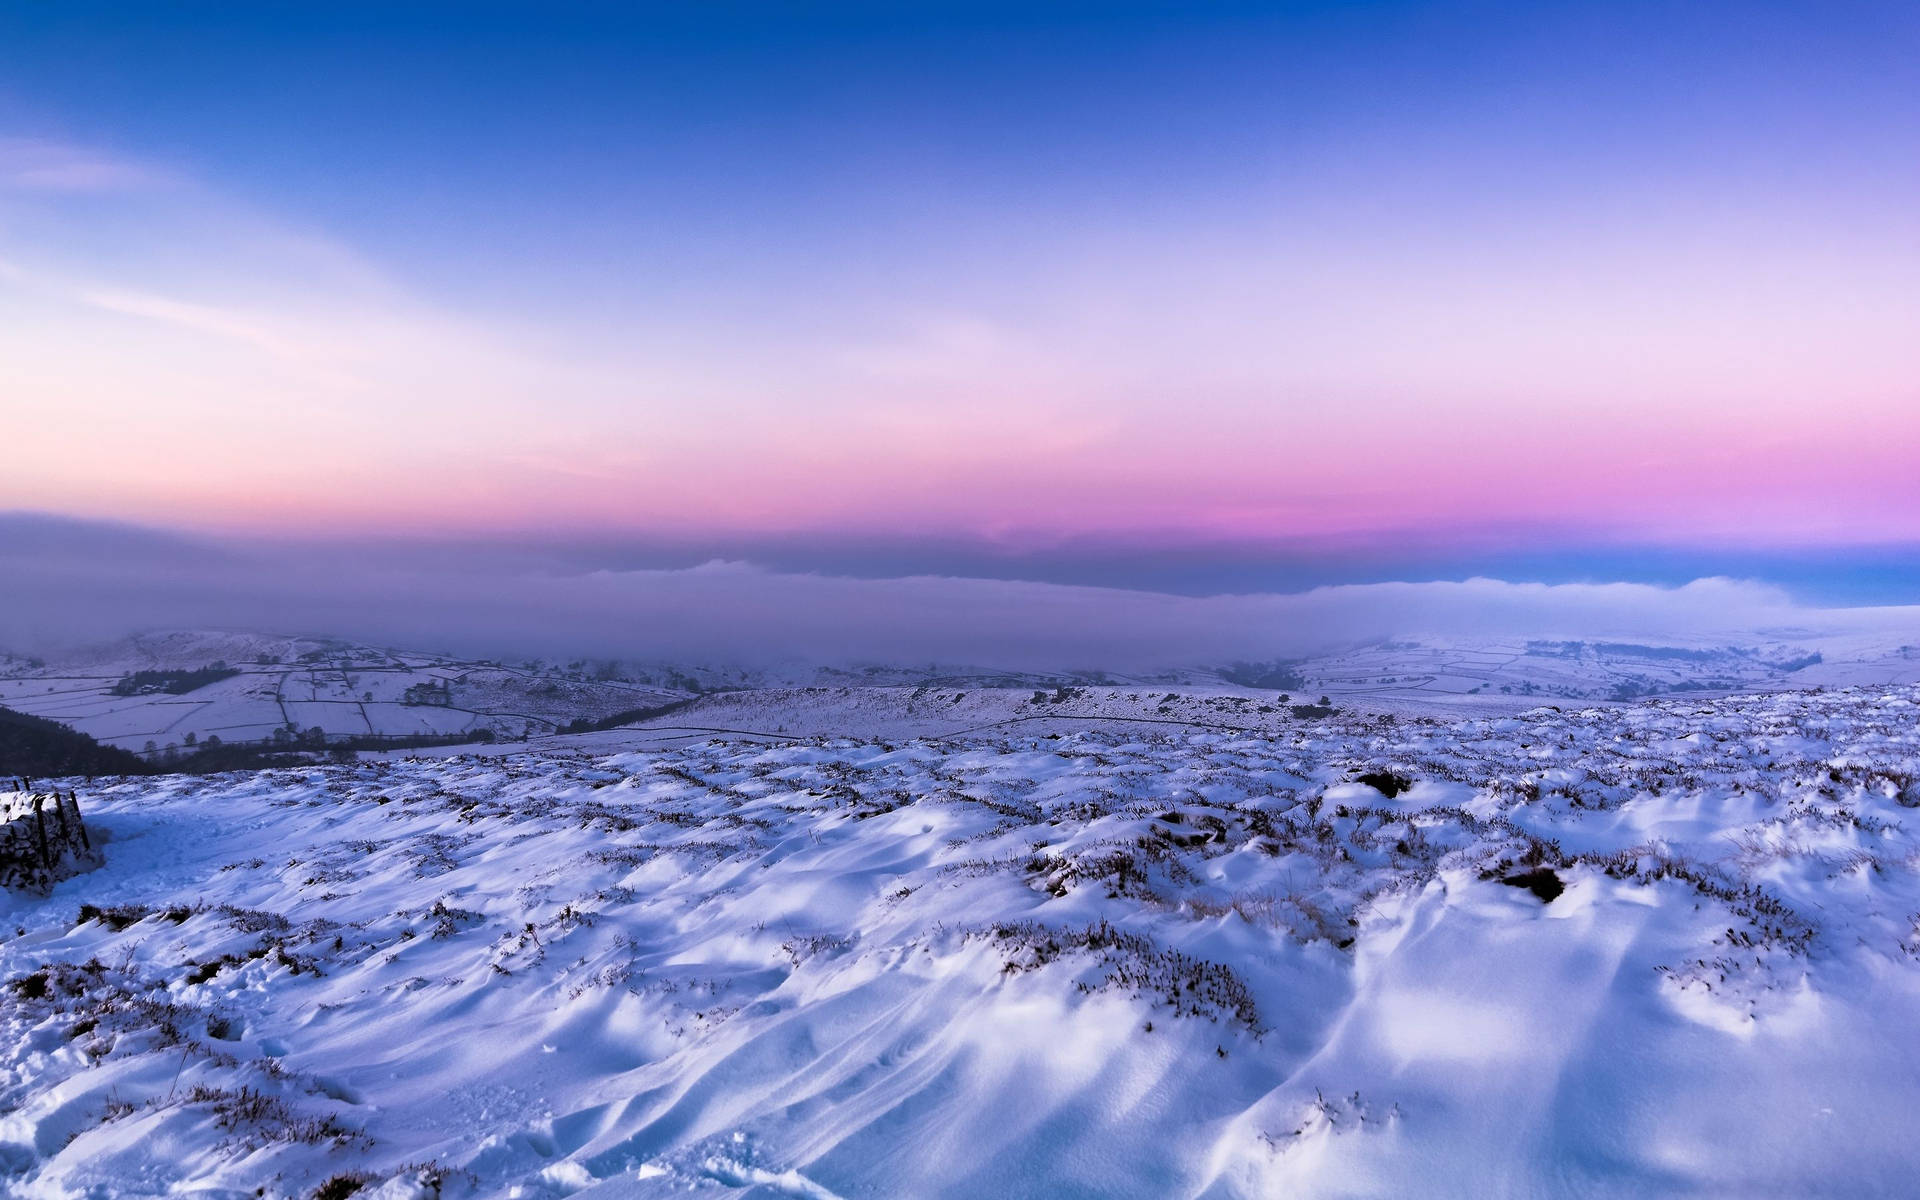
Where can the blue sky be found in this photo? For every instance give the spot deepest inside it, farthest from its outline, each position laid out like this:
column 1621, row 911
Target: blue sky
column 1190, row 296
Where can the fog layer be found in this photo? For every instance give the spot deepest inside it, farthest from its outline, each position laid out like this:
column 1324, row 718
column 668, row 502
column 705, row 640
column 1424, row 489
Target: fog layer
column 71, row 582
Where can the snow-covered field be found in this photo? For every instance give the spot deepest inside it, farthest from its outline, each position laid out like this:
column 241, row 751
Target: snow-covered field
column 1666, row 948
column 343, row 689
column 348, row 690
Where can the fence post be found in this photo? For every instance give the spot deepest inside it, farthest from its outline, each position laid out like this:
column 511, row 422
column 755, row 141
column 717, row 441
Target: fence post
column 73, row 798
column 40, row 824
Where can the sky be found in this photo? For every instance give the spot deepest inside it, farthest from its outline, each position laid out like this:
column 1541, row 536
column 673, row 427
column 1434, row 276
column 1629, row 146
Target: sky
column 1184, row 299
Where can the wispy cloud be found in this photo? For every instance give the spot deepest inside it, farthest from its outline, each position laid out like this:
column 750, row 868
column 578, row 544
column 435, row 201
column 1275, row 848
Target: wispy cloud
column 199, row 318
column 155, row 319
column 43, row 165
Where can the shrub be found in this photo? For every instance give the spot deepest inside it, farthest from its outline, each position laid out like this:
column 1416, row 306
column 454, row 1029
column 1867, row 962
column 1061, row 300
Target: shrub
column 1387, row 783
column 1541, row 881
column 340, row 1186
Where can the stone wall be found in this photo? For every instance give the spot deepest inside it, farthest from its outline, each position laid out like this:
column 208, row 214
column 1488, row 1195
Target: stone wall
column 42, row 839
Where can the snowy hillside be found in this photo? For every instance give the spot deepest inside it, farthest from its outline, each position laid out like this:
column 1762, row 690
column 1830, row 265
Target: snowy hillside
column 1404, row 672
column 1666, row 948
column 1550, row 668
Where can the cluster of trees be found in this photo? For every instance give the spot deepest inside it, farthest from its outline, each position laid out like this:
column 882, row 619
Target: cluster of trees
column 628, row 717
column 172, row 683
column 434, row 693
column 1278, row 675
column 38, row 748
column 292, row 747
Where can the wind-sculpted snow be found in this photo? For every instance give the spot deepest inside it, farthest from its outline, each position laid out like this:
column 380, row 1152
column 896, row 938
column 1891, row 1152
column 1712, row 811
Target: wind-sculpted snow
column 1660, row 949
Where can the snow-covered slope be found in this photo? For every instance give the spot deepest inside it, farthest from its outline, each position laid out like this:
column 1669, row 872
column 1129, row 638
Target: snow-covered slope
column 1556, row 669
column 1666, row 948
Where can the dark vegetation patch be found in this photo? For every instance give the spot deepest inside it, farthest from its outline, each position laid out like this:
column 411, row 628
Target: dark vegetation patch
column 172, row 683
column 1278, row 675
column 626, row 717
column 119, row 916
column 1193, row 987
column 298, row 748
column 30, row 987
column 258, row 1118
column 201, row 972
column 340, row 1186
column 1060, row 695
column 1387, row 783
column 1541, row 881
column 38, row 748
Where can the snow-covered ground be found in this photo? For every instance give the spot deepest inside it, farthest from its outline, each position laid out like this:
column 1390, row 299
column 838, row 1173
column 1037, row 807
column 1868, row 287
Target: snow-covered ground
column 348, row 690
column 1664, row 948
column 343, row 689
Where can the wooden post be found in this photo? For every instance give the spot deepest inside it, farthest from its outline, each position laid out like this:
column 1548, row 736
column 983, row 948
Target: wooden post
column 86, row 842
column 40, row 824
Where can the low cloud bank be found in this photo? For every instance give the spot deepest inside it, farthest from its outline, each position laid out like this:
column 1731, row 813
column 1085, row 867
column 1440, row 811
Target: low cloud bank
column 65, row 583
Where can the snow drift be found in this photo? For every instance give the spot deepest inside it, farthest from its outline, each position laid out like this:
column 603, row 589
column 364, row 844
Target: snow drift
column 1667, row 949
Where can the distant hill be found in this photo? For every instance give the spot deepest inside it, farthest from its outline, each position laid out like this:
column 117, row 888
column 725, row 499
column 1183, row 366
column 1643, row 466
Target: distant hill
column 38, row 748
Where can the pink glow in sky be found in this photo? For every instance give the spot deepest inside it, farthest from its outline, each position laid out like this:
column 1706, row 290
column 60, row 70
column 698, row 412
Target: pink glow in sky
column 1264, row 301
